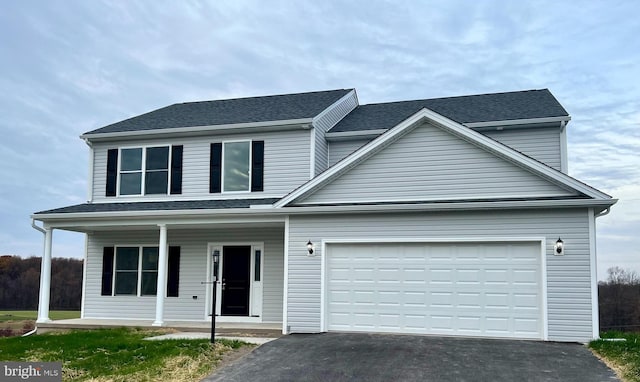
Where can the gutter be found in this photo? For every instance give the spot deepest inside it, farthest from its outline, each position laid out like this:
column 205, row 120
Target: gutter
column 303, row 123
column 294, row 210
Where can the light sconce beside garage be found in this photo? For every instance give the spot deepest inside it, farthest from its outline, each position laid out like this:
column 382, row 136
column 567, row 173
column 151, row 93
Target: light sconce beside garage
column 558, row 247
column 310, row 248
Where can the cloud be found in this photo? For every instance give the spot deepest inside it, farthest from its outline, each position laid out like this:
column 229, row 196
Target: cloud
column 80, row 66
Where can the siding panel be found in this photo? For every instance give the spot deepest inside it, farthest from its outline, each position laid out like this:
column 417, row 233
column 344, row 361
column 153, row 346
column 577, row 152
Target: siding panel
column 568, row 276
column 542, row 144
column 193, row 270
column 286, row 165
column 431, row 164
column 339, row 150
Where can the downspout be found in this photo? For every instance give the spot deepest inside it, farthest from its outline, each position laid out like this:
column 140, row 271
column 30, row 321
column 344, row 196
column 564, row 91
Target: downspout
column 33, row 224
column 91, row 161
column 604, row 213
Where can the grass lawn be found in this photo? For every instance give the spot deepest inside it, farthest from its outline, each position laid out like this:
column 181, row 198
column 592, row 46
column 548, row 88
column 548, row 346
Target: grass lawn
column 622, row 356
column 21, row 315
column 119, row 355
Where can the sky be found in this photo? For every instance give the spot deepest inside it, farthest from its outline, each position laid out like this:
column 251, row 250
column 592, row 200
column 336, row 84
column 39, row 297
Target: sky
column 67, row 67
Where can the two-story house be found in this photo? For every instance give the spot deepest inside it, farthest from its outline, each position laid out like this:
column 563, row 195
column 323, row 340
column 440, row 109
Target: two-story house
column 451, row 216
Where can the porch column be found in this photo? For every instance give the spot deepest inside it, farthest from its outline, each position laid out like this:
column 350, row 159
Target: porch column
column 162, row 276
column 45, row 278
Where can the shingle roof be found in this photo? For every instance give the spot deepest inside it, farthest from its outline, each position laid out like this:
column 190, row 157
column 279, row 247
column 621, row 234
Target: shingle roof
column 464, row 109
column 230, row 111
column 160, row 206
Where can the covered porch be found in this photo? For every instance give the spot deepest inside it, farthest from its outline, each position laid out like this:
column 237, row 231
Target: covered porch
column 159, row 271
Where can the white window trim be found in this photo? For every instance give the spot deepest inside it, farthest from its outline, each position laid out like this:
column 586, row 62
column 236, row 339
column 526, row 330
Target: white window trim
column 222, row 167
column 143, row 169
column 139, row 281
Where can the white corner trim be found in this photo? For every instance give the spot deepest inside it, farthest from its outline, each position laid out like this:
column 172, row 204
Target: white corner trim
column 92, row 155
column 312, row 153
column 454, row 128
column 84, row 275
column 593, row 265
column 564, row 160
column 285, row 295
column 323, row 287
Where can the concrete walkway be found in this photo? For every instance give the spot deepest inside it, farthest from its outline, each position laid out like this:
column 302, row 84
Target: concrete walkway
column 198, row 336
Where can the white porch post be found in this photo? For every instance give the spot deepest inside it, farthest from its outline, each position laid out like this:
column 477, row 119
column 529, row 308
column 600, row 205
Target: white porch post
column 45, row 279
column 162, row 276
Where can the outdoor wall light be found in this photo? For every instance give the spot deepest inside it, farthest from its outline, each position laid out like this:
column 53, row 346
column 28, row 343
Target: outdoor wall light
column 558, row 247
column 310, row 247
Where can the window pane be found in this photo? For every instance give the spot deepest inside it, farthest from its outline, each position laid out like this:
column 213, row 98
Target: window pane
column 127, row 259
column 130, row 183
column 155, row 182
column 126, row 282
column 131, row 159
column 149, row 283
column 150, row 258
column 157, row 158
column 236, row 166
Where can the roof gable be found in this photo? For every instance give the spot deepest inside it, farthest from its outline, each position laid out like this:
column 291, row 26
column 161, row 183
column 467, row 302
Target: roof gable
column 509, row 106
column 429, row 163
column 435, row 120
column 229, row 111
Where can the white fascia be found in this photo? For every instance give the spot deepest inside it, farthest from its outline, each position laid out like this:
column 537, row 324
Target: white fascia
column 514, row 122
column 303, row 123
column 276, row 215
column 351, row 94
column 476, row 138
column 346, row 135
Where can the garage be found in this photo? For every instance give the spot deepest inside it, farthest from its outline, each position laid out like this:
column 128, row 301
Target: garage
column 486, row 289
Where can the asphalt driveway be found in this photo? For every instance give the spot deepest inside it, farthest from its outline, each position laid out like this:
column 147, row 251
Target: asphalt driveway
column 381, row 357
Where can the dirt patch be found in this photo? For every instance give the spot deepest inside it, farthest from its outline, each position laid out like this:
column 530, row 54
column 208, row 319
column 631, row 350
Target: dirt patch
column 16, row 328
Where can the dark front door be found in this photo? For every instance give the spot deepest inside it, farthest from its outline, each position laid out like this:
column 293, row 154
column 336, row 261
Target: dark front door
column 235, row 280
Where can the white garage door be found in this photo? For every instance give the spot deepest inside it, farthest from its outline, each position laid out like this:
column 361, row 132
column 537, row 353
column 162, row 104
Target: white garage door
column 470, row 289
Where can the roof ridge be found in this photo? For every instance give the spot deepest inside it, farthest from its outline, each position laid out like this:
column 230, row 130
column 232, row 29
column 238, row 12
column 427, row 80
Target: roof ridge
column 265, row 96
column 455, row 97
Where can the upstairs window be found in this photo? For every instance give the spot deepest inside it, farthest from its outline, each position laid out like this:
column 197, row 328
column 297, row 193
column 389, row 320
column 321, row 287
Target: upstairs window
column 236, row 166
column 144, row 171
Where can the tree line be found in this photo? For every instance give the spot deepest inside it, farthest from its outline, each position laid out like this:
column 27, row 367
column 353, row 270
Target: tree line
column 20, row 283
column 619, row 299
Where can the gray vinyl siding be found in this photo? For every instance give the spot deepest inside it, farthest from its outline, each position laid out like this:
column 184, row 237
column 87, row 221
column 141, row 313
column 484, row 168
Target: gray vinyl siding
column 568, row 276
column 542, row 144
column 328, row 119
column 339, row 150
column 286, row 165
column 193, row 270
column 428, row 163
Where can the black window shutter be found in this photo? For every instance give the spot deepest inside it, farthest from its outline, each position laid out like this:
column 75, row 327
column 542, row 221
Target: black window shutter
column 176, row 170
column 257, row 165
column 215, row 168
column 173, row 276
column 107, row 271
column 112, row 172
